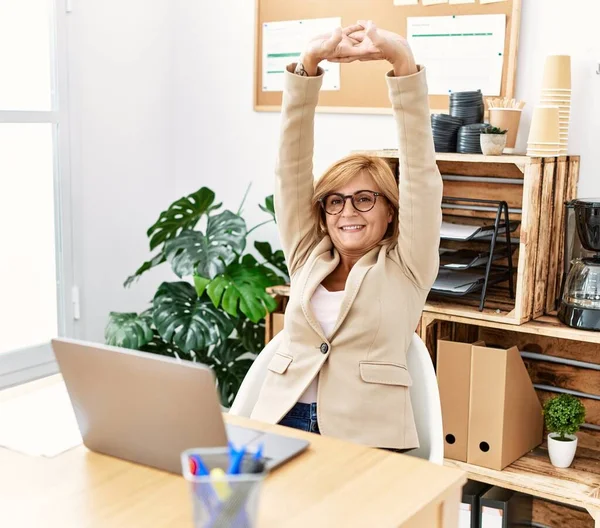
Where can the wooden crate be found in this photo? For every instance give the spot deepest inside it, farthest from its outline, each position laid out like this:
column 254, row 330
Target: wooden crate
column 557, row 357
column 534, row 189
column 546, row 344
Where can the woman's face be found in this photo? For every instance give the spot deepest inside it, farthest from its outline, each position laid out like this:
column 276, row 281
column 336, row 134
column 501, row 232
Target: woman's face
column 354, row 232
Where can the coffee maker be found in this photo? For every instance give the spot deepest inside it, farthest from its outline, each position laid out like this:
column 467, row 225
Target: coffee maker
column 580, row 288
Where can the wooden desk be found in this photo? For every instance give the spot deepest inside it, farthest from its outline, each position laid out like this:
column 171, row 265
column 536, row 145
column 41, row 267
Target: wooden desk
column 334, row 483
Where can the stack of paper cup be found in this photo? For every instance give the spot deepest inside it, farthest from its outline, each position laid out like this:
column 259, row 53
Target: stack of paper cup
column 544, row 137
column 556, row 91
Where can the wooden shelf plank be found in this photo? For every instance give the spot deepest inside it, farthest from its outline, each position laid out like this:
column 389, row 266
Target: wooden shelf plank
column 454, row 156
column 533, row 474
column 545, row 326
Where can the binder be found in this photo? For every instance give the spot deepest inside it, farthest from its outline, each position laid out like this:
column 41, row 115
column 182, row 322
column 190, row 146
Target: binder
column 502, row 508
column 505, row 414
column 469, row 507
column 454, row 382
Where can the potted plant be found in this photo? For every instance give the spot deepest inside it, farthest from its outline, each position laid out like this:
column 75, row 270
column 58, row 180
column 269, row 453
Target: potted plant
column 215, row 313
column 493, row 140
column 564, row 415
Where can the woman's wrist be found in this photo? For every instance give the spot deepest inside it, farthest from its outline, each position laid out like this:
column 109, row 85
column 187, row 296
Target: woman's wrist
column 405, row 67
column 307, row 66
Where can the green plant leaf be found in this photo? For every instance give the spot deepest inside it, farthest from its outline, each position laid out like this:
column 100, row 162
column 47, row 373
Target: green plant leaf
column 269, row 207
column 208, row 255
column 251, row 334
column 128, row 330
column 564, row 414
column 275, row 259
column 230, row 362
column 200, row 283
column 244, row 285
column 181, row 215
column 190, row 322
column 157, row 260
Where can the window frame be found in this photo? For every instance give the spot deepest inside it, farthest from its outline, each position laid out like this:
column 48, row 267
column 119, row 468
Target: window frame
column 19, row 366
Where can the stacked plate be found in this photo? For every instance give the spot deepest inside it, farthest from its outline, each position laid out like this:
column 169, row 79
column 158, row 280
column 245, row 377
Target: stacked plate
column 467, row 106
column 445, row 132
column 468, row 138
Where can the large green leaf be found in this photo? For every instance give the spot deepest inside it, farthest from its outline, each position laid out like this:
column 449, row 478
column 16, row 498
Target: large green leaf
column 181, row 215
column 244, row 285
column 208, row 255
column 149, row 264
column 128, row 330
column 269, row 207
column 251, row 334
column 275, row 259
column 230, row 361
column 159, row 346
column 191, row 323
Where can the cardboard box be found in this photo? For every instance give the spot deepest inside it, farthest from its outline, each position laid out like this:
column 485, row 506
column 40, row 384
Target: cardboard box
column 502, row 508
column 454, row 381
column 505, row 414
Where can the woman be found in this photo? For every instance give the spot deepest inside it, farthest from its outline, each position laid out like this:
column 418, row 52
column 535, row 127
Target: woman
column 362, row 256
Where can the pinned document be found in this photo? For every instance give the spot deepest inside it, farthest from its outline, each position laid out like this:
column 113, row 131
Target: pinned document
column 283, row 43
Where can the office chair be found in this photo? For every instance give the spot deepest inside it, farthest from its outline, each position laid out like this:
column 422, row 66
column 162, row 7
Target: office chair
column 424, row 395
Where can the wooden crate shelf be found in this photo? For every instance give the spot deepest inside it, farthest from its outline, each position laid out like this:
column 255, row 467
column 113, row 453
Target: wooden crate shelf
column 557, row 358
column 533, row 474
column 535, row 190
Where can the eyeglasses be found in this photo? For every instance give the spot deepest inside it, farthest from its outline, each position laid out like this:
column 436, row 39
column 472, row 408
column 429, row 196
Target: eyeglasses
column 362, row 201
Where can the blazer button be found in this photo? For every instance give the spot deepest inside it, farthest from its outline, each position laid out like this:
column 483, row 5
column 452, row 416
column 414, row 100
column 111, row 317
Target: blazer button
column 324, row 348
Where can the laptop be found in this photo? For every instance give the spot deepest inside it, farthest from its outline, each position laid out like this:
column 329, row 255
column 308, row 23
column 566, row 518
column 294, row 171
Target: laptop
column 148, row 408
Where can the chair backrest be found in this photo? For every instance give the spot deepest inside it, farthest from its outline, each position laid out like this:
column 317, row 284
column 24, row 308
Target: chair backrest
column 425, row 398
column 424, row 395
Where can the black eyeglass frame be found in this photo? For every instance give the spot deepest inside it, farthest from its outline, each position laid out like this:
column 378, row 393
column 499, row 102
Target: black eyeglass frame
column 345, row 197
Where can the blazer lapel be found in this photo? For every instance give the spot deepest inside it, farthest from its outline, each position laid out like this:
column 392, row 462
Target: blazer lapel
column 325, row 262
column 353, row 282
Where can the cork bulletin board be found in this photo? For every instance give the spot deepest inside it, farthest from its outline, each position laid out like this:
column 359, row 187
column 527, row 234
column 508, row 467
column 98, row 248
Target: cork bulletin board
column 363, row 88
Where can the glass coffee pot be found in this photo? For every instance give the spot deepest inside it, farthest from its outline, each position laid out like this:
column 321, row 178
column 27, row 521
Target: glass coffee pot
column 580, row 291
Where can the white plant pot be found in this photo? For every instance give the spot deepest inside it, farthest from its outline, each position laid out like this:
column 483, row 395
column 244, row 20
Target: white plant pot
column 492, row 144
column 561, row 452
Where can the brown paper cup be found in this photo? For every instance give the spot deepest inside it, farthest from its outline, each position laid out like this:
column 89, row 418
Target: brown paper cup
column 506, row 119
column 557, row 72
column 544, row 125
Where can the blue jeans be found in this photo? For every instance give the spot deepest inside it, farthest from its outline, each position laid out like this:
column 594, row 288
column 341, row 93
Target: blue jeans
column 303, row 416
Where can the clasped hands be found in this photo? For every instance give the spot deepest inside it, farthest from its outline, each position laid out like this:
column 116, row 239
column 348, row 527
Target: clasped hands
column 362, row 41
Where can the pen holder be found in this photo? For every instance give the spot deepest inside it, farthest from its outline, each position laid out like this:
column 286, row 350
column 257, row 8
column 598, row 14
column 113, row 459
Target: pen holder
column 222, row 501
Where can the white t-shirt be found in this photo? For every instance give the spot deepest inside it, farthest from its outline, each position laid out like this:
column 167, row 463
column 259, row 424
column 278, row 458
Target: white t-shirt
column 326, row 307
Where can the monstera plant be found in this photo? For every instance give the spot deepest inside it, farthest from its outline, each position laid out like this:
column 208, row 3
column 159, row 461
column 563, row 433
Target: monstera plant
column 215, row 313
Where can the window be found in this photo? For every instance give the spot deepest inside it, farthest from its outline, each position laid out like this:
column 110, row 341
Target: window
column 33, row 185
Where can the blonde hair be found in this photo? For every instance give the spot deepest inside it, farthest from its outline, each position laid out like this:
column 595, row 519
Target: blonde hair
column 342, row 172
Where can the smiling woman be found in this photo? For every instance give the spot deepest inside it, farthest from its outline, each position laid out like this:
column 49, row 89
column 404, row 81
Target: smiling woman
column 362, row 254
column 370, row 186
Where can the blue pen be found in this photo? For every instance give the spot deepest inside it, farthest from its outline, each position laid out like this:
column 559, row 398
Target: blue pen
column 235, row 460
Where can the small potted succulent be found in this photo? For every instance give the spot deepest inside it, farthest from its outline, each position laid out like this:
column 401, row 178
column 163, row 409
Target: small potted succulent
column 493, row 140
column 563, row 415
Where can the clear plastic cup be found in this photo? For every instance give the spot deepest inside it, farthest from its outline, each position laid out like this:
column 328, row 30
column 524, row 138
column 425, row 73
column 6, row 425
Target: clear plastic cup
column 228, row 501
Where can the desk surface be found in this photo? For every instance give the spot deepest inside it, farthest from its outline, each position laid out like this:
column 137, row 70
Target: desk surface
column 334, row 483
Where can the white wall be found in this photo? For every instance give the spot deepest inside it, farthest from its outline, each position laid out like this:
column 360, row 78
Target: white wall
column 167, row 108
column 122, row 140
column 556, row 27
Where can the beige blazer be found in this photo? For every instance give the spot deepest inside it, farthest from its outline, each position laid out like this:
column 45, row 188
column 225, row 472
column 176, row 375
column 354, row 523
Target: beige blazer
column 363, row 380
